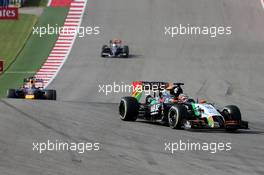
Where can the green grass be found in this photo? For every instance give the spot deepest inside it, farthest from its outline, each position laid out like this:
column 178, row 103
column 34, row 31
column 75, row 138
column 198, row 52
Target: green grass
column 35, row 51
column 36, row 3
column 14, row 34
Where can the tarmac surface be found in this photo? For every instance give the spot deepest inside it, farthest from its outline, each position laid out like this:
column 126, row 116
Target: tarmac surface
column 224, row 70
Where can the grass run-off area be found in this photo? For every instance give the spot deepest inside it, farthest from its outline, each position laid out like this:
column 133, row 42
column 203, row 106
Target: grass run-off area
column 13, row 36
column 35, row 51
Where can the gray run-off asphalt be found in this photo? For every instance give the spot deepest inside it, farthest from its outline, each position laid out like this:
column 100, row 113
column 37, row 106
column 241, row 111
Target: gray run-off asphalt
column 224, row 70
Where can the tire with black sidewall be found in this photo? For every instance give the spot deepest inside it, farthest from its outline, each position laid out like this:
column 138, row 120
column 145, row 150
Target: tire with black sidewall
column 126, row 51
column 128, row 109
column 176, row 115
column 50, row 95
column 232, row 112
column 103, row 47
column 103, row 50
column 11, row 93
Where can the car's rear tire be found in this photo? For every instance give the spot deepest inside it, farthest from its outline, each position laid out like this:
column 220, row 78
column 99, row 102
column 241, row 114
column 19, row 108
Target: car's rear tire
column 128, row 109
column 51, row 94
column 11, row 93
column 126, row 51
column 176, row 115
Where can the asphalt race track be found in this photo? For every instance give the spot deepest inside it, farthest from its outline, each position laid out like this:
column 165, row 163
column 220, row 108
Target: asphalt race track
column 224, row 70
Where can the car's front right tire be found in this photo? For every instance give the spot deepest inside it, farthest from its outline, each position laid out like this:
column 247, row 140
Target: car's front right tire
column 11, row 93
column 103, row 50
column 51, row 94
column 232, row 112
column 126, row 51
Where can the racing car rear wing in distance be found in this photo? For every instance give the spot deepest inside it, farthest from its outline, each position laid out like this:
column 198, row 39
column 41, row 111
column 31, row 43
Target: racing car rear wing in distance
column 36, row 80
column 140, row 86
column 38, row 83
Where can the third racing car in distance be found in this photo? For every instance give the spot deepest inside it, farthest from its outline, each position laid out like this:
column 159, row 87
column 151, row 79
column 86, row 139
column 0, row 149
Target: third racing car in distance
column 32, row 88
column 115, row 49
column 170, row 106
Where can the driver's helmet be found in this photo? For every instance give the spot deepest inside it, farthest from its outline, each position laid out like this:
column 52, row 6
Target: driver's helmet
column 31, row 81
column 183, row 98
column 174, row 90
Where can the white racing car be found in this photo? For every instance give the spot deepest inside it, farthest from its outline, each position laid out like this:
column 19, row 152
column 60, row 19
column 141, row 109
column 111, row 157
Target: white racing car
column 115, row 49
column 179, row 112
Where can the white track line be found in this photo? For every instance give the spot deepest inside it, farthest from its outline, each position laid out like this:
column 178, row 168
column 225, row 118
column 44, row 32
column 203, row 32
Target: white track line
column 48, row 4
column 63, row 45
column 262, row 3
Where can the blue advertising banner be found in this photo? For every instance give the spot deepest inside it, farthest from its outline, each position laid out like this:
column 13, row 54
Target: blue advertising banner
column 4, row 3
